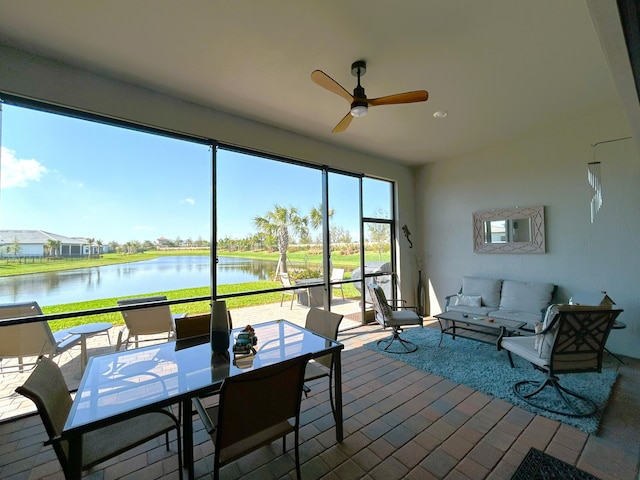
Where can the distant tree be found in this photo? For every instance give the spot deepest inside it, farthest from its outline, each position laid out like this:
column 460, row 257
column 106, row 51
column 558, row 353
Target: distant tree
column 315, row 218
column 90, row 241
column 15, row 248
column 99, row 245
column 276, row 224
column 53, row 247
column 379, row 233
column 340, row 235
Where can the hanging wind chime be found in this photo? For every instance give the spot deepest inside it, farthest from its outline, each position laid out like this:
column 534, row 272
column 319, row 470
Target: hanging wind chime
column 595, row 180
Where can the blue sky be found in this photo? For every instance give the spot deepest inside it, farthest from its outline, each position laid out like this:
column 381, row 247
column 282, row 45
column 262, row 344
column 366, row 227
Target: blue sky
column 85, row 179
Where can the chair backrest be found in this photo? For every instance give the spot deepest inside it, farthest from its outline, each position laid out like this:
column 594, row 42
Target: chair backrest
column 257, row 400
column 337, row 274
column 47, row 388
column 323, row 323
column 381, row 308
column 285, row 280
column 147, row 320
column 575, row 337
column 196, row 325
column 25, row 339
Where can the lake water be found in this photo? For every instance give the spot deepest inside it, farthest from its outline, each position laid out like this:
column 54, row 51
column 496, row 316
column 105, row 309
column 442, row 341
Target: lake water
column 157, row 275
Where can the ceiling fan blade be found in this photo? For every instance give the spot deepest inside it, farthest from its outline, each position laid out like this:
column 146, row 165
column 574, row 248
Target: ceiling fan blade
column 407, row 97
column 343, row 124
column 325, row 81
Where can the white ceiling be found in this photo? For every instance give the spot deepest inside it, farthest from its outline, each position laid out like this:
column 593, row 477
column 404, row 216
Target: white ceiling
column 498, row 67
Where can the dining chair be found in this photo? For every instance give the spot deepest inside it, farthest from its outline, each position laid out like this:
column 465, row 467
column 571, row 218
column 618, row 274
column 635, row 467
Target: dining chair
column 47, row 388
column 286, row 283
column 196, row 325
column 323, row 323
column 255, row 409
column 30, row 340
column 571, row 340
column 155, row 321
column 337, row 275
column 395, row 314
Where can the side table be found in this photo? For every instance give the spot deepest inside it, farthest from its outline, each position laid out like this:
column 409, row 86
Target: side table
column 85, row 331
column 617, row 325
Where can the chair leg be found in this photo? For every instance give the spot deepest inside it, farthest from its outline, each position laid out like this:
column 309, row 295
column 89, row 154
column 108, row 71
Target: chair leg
column 282, row 299
column 297, row 455
column 575, row 404
column 407, row 347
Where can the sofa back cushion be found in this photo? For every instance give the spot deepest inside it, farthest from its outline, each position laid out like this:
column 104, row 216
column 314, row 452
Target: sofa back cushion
column 530, row 297
column 487, row 288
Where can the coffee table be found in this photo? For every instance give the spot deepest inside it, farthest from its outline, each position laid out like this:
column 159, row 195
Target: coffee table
column 475, row 327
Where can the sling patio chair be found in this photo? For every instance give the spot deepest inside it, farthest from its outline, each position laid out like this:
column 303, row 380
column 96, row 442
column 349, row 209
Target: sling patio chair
column 323, row 323
column 47, row 388
column 286, row 283
column 156, row 321
column 255, row 409
column 337, row 275
column 395, row 314
column 29, row 340
column 570, row 340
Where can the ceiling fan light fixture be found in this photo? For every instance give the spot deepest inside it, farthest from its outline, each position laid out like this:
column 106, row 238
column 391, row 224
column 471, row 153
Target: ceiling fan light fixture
column 359, row 110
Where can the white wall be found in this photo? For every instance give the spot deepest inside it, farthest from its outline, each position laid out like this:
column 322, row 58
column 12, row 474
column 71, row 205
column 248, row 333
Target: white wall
column 544, row 167
column 42, row 79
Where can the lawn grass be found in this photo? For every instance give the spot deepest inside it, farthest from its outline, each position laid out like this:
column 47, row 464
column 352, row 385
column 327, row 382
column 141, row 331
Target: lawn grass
column 189, row 308
column 311, row 261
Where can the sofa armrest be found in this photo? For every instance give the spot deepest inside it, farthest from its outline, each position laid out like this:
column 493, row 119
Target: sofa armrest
column 447, row 301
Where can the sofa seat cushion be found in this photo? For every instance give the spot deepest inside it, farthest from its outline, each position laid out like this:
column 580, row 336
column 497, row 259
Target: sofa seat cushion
column 531, row 297
column 518, row 316
column 482, row 311
column 487, row 288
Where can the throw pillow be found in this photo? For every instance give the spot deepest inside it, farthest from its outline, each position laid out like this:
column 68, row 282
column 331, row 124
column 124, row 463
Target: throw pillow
column 546, row 344
column 538, row 329
column 469, row 300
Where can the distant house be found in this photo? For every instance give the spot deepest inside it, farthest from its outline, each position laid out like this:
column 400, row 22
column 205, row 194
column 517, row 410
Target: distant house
column 33, row 243
column 163, row 242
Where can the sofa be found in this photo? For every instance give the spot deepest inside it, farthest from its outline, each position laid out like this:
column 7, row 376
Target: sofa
column 503, row 299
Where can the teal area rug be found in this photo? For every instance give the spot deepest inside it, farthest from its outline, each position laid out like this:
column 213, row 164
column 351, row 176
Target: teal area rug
column 482, row 367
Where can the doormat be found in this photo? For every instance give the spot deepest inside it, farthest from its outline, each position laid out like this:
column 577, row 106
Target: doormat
column 538, row 465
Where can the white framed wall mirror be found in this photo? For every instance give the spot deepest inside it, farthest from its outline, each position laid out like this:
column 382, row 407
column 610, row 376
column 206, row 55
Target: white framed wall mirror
column 509, row 230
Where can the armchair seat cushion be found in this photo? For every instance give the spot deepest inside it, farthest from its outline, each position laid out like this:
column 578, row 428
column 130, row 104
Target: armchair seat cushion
column 404, row 317
column 524, row 347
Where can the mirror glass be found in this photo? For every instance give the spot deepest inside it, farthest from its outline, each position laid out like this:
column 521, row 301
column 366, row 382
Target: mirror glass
column 509, row 230
column 505, row 231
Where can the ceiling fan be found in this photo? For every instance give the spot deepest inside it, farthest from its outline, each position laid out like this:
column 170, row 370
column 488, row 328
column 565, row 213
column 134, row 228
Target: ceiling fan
column 359, row 102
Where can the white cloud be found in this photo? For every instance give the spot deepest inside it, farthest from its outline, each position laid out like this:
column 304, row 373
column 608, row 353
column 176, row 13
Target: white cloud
column 190, row 201
column 17, row 172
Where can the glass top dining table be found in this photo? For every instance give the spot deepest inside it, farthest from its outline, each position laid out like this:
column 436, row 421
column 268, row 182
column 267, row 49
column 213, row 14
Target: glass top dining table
column 124, row 384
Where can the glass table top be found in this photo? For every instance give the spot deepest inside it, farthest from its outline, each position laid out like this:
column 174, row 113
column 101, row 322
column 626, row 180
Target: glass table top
column 126, row 382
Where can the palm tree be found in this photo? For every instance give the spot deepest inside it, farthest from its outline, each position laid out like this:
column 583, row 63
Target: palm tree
column 90, row 241
column 276, row 224
column 99, row 244
column 52, row 246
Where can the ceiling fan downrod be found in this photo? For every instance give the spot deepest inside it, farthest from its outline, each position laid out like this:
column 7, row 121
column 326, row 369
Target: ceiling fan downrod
column 359, row 107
